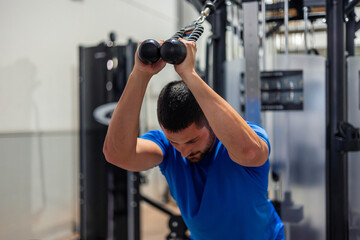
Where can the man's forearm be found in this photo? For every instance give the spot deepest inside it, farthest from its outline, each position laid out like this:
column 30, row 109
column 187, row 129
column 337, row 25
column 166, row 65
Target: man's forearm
column 123, row 130
column 232, row 130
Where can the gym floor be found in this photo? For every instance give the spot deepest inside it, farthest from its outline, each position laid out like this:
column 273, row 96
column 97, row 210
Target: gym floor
column 154, row 223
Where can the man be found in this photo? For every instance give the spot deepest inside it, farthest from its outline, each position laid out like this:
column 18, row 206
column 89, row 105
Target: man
column 216, row 164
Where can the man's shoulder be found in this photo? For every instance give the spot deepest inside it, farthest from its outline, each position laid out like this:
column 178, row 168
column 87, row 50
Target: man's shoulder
column 157, row 134
column 255, row 126
column 158, row 137
column 260, row 131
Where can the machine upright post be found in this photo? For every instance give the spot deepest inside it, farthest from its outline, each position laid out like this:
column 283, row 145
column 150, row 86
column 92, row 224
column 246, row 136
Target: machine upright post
column 350, row 32
column 218, row 20
column 263, row 23
column 336, row 169
column 306, row 17
column 286, row 24
column 133, row 205
column 252, row 70
column 133, row 178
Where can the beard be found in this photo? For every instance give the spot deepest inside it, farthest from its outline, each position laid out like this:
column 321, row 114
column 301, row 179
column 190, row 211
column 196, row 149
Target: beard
column 200, row 155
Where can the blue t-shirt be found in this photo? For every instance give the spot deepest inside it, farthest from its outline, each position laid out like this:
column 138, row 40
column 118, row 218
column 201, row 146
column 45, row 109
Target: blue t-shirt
column 218, row 198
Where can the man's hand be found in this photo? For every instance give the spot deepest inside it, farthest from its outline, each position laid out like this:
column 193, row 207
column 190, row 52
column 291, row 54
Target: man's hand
column 188, row 65
column 148, row 69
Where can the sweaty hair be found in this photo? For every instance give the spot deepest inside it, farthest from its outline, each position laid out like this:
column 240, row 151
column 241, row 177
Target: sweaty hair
column 177, row 108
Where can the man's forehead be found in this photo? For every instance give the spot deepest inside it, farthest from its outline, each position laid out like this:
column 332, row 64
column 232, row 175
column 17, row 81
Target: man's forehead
column 183, row 136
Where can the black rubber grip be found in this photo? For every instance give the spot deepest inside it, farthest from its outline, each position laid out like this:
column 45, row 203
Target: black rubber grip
column 196, row 33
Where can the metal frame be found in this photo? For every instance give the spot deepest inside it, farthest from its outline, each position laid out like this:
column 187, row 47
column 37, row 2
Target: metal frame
column 350, row 34
column 218, row 22
column 351, row 26
column 252, row 69
column 337, row 166
column 357, row 26
column 133, row 178
column 133, row 198
column 217, row 44
column 350, row 6
column 82, row 165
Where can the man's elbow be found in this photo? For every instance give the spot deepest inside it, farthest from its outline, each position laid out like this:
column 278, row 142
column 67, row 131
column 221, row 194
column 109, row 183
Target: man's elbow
column 252, row 157
column 110, row 154
column 114, row 157
column 107, row 153
column 257, row 156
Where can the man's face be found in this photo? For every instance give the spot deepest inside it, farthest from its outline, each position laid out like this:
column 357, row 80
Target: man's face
column 192, row 142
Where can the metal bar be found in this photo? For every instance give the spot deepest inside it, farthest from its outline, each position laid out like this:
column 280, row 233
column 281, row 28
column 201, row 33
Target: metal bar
column 83, row 203
column 336, row 165
column 275, row 6
column 156, row 205
column 357, row 26
column 252, row 71
column 350, row 6
column 230, row 13
column 306, row 28
column 218, row 20
column 274, row 29
column 133, row 199
column 286, row 23
column 209, row 44
column 263, row 23
column 350, row 34
column 133, row 178
column 312, row 16
column 218, row 3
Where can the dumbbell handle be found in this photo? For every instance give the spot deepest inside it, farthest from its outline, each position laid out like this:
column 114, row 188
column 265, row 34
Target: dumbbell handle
column 149, row 51
column 196, row 33
column 173, row 51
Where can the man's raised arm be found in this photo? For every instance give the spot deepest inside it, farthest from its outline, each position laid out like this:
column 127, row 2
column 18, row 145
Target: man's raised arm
column 122, row 147
column 244, row 146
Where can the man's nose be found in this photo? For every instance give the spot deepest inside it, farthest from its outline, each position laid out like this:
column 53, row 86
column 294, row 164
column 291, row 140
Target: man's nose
column 185, row 151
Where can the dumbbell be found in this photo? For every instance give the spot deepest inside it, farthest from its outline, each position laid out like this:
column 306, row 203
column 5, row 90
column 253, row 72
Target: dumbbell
column 172, row 51
column 149, row 51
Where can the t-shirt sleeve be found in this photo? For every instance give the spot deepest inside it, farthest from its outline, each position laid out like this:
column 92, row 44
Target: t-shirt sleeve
column 261, row 173
column 159, row 138
column 260, row 132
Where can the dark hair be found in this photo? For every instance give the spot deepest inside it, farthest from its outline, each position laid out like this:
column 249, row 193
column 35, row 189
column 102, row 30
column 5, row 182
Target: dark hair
column 177, row 108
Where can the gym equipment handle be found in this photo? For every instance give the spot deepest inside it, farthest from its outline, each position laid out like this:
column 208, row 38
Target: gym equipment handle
column 173, row 51
column 149, row 51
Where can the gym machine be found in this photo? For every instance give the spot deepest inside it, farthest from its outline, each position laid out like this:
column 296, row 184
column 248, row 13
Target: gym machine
column 353, row 116
column 104, row 70
column 310, row 108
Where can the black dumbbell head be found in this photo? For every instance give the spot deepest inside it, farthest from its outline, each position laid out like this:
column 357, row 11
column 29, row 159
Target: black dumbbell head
column 173, row 51
column 149, row 51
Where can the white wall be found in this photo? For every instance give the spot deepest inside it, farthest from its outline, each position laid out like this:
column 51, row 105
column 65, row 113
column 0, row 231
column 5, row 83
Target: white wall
column 39, row 53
